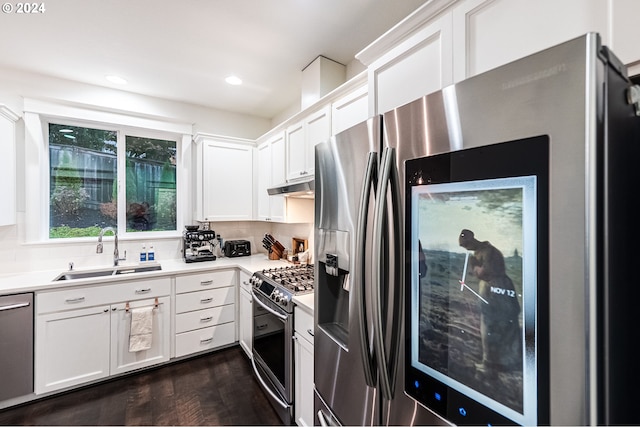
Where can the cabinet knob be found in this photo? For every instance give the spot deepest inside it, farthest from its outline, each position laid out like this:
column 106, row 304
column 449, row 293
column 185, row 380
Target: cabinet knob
column 106, row 310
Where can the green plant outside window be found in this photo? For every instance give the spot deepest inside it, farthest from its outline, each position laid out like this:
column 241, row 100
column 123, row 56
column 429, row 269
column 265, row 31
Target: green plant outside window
column 84, row 176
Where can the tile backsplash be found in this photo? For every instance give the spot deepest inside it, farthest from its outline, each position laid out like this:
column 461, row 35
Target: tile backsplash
column 17, row 257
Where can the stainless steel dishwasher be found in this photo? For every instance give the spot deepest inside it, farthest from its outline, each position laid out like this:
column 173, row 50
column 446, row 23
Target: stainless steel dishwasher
column 16, row 345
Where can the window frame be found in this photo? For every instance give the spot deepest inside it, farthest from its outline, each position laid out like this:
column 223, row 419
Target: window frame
column 122, row 131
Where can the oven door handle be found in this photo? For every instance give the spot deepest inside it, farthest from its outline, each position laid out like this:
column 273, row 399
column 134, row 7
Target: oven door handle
column 256, row 298
column 277, row 398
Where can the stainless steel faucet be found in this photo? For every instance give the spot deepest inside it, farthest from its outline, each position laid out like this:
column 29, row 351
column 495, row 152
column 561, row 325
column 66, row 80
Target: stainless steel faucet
column 116, row 253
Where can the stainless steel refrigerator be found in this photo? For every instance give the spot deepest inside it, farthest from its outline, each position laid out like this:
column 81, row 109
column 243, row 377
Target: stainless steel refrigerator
column 510, row 192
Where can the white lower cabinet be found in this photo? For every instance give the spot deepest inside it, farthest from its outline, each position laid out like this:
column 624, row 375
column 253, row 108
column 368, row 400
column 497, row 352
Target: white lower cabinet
column 123, row 360
column 245, row 318
column 82, row 334
column 205, row 311
column 303, row 354
column 72, row 348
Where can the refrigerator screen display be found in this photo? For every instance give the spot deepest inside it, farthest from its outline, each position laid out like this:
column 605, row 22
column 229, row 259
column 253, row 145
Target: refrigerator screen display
column 473, row 280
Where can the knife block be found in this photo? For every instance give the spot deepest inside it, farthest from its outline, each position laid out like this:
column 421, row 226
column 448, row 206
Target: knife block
column 273, row 255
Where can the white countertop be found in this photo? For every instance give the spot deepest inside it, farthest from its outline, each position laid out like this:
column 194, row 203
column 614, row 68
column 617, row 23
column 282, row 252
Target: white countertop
column 44, row 280
column 305, row 302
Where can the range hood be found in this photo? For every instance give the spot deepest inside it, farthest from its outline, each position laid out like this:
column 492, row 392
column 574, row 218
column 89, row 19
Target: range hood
column 302, row 189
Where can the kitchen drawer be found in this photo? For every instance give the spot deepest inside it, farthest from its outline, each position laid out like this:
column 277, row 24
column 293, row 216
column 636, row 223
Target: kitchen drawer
column 303, row 323
column 89, row 296
column 205, row 339
column 244, row 281
column 205, row 299
column 205, row 318
column 209, row 280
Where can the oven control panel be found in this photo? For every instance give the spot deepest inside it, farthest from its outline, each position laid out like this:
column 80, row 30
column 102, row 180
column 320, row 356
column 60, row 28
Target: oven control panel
column 264, row 286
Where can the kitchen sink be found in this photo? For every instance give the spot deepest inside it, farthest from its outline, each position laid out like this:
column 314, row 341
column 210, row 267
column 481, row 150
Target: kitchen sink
column 141, row 269
column 111, row 271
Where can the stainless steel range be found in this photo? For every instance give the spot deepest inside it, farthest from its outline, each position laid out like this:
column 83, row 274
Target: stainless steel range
column 273, row 290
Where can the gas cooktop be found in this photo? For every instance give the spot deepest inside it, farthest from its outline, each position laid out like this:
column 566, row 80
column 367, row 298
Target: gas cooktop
column 297, row 278
column 280, row 284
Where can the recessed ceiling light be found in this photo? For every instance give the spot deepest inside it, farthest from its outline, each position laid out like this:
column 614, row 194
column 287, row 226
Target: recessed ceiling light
column 116, row 79
column 233, row 80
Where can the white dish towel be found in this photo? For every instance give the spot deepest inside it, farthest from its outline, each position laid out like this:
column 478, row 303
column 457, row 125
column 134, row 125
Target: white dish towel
column 141, row 329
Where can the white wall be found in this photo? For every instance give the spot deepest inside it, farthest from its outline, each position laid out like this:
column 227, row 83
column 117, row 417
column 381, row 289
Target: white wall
column 15, row 85
column 16, row 255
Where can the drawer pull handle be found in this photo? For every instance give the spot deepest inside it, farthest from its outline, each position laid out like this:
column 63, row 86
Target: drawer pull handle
column 143, row 291
column 206, row 319
column 206, row 300
column 206, row 283
column 206, row 340
column 310, row 332
column 74, row 300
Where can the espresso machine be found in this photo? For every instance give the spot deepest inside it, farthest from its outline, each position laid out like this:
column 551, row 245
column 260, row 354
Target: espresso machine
column 197, row 245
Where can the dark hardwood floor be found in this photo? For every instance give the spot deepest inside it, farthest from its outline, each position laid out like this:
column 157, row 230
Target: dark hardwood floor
column 210, row 390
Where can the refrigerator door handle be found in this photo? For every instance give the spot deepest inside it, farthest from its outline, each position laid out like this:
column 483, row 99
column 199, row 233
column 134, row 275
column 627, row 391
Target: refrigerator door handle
column 398, row 274
column 363, row 213
column 387, row 366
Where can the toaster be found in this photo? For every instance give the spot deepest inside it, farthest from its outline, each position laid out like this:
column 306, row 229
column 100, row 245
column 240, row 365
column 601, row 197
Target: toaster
column 235, row 248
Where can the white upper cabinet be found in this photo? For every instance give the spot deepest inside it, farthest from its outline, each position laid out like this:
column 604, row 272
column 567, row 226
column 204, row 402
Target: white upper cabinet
column 8, row 171
column 624, row 32
column 417, row 65
column 350, row 110
column 302, row 138
column 490, row 33
column 270, row 172
column 224, row 179
column 446, row 41
column 296, row 151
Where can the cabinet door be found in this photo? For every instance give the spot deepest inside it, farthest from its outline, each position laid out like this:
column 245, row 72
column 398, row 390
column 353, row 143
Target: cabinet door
column 350, row 110
column 263, row 153
column 490, row 33
column 122, row 360
column 303, row 410
column 296, row 154
column 271, row 171
column 228, row 182
column 278, row 204
column 72, row 348
column 417, row 66
column 624, row 40
column 317, row 129
column 246, row 322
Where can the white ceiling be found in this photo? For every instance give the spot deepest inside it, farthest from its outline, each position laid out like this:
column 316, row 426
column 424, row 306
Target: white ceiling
column 183, row 49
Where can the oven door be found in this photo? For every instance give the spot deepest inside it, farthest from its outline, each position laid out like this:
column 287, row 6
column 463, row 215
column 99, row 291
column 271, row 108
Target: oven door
column 273, row 352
